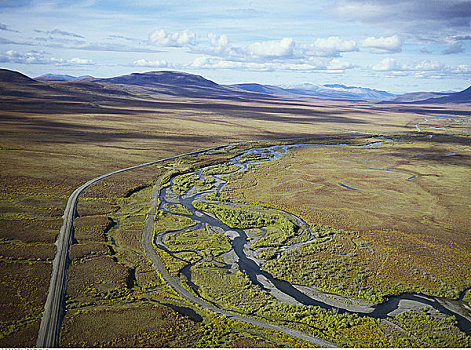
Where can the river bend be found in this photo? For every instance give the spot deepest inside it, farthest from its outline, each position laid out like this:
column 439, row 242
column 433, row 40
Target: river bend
column 248, row 263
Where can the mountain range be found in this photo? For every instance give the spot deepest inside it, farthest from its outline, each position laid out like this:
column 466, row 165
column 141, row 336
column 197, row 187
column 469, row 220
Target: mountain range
column 327, row 91
column 65, row 77
column 180, row 84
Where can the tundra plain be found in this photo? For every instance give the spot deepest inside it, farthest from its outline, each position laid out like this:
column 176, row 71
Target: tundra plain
column 413, row 232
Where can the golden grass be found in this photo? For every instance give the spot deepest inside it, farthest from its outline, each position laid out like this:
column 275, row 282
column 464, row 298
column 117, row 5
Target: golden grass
column 233, row 291
column 97, row 272
column 22, row 295
column 167, row 222
column 205, row 240
column 139, row 325
column 90, row 228
column 80, row 252
column 12, row 251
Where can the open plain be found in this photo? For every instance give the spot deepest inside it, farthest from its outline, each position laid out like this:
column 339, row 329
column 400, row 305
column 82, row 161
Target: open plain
column 391, row 217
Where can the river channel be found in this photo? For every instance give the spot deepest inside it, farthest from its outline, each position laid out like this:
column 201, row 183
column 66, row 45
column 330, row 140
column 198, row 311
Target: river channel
column 246, row 261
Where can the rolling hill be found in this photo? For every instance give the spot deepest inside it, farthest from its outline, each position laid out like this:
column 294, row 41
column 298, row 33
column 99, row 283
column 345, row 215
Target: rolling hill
column 9, row 76
column 175, row 84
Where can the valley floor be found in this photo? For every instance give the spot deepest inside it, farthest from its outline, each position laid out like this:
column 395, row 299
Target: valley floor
column 405, row 229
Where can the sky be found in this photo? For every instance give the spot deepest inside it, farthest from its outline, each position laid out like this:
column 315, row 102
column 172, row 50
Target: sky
column 394, row 45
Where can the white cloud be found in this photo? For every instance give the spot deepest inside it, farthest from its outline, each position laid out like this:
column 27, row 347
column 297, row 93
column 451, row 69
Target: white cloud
column 256, row 52
column 31, row 57
column 218, row 40
column 36, row 57
column 201, row 62
column 177, row 39
column 272, row 49
column 338, row 65
column 314, row 64
column 387, row 64
column 283, row 54
column 218, row 46
column 391, row 64
column 424, row 69
column 461, row 69
column 426, row 66
column 283, row 49
column 113, row 43
column 337, row 44
column 382, row 44
column 330, row 47
column 81, row 61
column 211, row 62
column 146, row 63
column 261, row 54
column 454, row 47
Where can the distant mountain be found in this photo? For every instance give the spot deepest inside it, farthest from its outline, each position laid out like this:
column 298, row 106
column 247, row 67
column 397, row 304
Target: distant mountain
column 64, row 77
column 339, row 92
column 191, row 85
column 415, row 96
column 354, row 93
column 176, row 84
column 457, row 97
column 433, row 97
column 328, row 91
column 262, row 89
column 161, row 78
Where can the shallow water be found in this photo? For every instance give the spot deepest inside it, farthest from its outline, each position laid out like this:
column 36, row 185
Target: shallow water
column 348, row 187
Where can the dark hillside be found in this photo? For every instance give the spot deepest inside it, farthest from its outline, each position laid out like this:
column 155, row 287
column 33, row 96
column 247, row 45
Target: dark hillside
column 457, row 97
column 9, row 76
column 159, row 78
column 176, row 84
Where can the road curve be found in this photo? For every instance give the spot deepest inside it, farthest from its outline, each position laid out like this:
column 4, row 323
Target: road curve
column 147, row 245
column 49, row 329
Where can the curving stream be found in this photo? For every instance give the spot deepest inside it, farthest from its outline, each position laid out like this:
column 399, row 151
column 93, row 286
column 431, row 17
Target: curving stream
column 247, row 262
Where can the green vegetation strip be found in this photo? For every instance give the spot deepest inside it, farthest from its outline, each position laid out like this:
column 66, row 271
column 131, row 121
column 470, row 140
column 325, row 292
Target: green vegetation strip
column 224, row 168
